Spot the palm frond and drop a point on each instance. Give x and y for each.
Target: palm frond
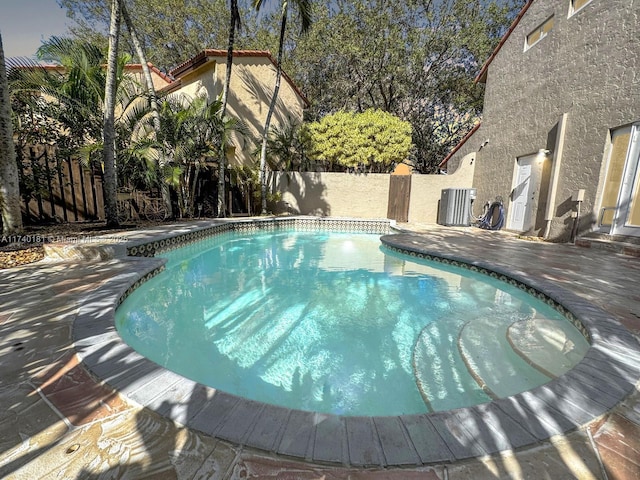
(89, 152)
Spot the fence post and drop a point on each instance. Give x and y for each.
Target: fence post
(72, 183)
(47, 170)
(61, 187)
(35, 167)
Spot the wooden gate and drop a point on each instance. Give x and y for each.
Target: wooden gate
(399, 195)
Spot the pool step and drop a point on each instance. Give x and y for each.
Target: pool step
(491, 360)
(547, 345)
(439, 369)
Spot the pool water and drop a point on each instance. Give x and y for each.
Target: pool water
(335, 323)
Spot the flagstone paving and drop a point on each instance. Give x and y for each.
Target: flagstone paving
(57, 420)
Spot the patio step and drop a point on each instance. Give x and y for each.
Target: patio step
(83, 250)
(624, 245)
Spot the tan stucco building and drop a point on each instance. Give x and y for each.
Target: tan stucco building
(160, 79)
(253, 79)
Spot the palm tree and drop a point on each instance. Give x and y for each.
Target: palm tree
(76, 91)
(234, 24)
(287, 147)
(153, 98)
(9, 186)
(192, 131)
(304, 13)
(109, 132)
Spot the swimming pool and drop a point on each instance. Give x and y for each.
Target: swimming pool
(334, 323)
(601, 380)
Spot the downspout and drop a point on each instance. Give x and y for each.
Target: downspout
(555, 174)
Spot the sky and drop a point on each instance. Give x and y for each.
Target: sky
(24, 24)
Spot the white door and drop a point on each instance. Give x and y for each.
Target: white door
(520, 194)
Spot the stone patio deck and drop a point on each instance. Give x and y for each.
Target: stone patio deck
(57, 420)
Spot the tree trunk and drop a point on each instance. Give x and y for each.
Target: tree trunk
(235, 21)
(272, 106)
(9, 179)
(108, 132)
(153, 100)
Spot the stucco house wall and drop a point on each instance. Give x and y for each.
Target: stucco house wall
(557, 101)
(251, 88)
(160, 80)
(471, 143)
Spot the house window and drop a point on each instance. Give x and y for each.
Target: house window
(577, 5)
(539, 33)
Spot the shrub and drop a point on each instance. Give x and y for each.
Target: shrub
(374, 140)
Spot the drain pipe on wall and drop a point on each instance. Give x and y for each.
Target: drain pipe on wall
(555, 174)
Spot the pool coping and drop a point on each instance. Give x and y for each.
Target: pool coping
(605, 376)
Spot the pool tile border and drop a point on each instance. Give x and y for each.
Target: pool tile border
(536, 292)
(606, 375)
(170, 242)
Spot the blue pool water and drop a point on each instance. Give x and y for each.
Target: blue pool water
(334, 323)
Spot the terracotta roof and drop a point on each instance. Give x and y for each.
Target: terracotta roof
(482, 76)
(11, 63)
(459, 145)
(128, 66)
(201, 58)
(153, 68)
(47, 67)
(172, 87)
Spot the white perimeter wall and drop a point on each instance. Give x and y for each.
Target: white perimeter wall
(364, 195)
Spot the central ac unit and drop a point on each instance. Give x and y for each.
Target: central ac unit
(455, 206)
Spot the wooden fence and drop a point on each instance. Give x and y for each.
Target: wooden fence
(58, 189)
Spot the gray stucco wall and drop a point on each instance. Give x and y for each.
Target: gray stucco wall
(472, 145)
(587, 66)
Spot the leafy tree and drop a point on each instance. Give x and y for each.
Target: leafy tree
(415, 59)
(373, 141)
(59, 107)
(170, 31)
(74, 93)
(304, 14)
(72, 96)
(9, 186)
(64, 106)
(30, 126)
